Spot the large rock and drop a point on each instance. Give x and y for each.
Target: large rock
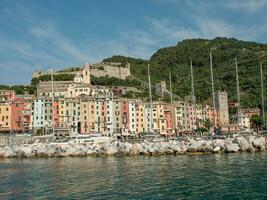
(232, 148)
(41, 151)
(251, 148)
(91, 152)
(78, 150)
(216, 149)
(2, 151)
(127, 147)
(136, 149)
(243, 143)
(24, 152)
(204, 148)
(195, 145)
(219, 142)
(259, 143)
(163, 150)
(8, 152)
(228, 141)
(152, 150)
(175, 148)
(111, 150)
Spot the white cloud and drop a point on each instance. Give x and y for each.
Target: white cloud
(250, 6)
(58, 41)
(47, 45)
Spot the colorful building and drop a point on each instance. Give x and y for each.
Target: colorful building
(5, 117)
(21, 115)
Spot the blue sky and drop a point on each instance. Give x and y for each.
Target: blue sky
(39, 35)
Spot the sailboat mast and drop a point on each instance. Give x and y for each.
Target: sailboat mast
(238, 93)
(52, 82)
(150, 98)
(172, 106)
(193, 95)
(213, 94)
(262, 97)
(170, 78)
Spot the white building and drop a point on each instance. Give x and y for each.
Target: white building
(109, 104)
(38, 113)
(244, 121)
(132, 120)
(149, 117)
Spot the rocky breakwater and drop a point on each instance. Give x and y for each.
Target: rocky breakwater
(189, 146)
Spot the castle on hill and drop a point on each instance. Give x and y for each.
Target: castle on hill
(103, 69)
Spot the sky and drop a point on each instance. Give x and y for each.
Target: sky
(40, 35)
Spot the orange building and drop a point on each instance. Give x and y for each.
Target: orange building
(20, 115)
(5, 117)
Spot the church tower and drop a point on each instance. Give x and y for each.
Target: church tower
(86, 74)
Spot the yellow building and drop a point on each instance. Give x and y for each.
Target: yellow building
(159, 122)
(62, 112)
(5, 117)
(72, 114)
(140, 118)
(87, 117)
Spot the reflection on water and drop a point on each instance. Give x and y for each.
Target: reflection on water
(227, 176)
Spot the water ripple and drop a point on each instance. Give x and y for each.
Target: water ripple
(226, 176)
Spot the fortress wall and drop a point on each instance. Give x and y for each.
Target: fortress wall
(100, 70)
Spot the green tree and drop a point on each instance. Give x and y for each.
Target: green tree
(256, 122)
(207, 124)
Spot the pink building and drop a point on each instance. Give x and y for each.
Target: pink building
(20, 115)
(124, 112)
(169, 119)
(56, 113)
(217, 119)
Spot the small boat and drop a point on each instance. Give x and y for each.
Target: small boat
(151, 137)
(96, 138)
(246, 131)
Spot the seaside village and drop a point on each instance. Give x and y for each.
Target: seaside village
(65, 107)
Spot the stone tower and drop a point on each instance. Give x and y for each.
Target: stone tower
(86, 74)
(222, 106)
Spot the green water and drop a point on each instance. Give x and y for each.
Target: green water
(227, 176)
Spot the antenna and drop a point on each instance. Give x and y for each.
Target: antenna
(150, 97)
(170, 78)
(213, 95)
(238, 93)
(262, 97)
(172, 107)
(52, 82)
(193, 94)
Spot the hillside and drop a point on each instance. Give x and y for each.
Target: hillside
(177, 59)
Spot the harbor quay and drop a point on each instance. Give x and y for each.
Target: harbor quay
(40, 149)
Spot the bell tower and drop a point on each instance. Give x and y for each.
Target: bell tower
(86, 74)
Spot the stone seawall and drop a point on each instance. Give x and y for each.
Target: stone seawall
(190, 146)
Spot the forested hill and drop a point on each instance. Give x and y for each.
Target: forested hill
(224, 50)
